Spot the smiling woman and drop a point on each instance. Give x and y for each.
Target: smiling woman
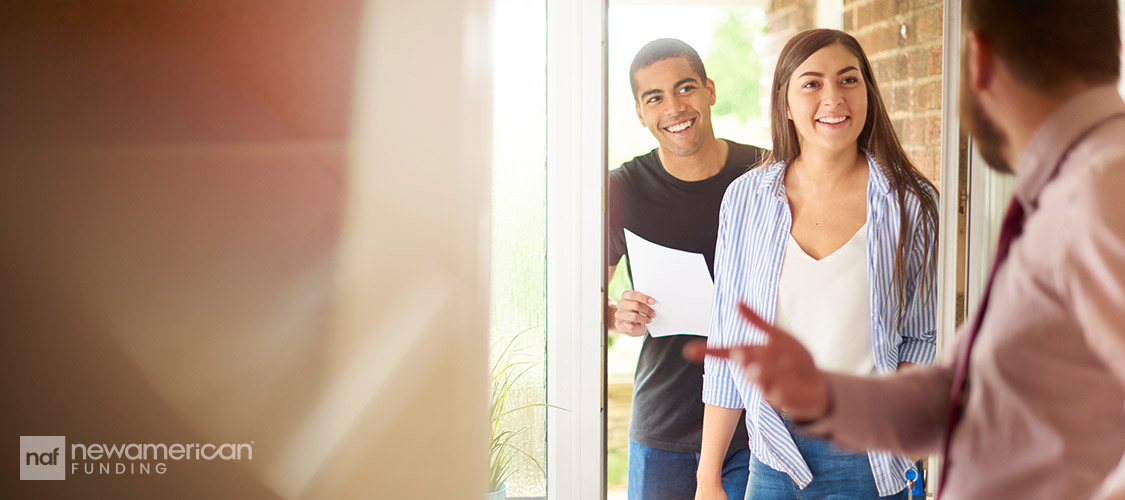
(807, 228)
(827, 100)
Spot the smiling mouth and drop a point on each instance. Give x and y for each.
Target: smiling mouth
(832, 120)
(680, 127)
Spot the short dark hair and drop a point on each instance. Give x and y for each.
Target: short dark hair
(1048, 43)
(661, 49)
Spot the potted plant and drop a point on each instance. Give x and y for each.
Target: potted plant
(511, 364)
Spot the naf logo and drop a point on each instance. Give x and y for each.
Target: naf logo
(42, 458)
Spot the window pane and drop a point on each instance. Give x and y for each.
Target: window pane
(518, 230)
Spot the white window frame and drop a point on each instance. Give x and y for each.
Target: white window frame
(948, 205)
(948, 251)
(576, 171)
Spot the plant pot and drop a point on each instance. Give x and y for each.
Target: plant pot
(499, 494)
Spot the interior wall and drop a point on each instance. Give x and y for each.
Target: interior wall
(252, 222)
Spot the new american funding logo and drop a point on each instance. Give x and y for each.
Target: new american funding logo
(49, 458)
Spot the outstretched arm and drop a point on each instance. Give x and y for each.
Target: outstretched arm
(902, 413)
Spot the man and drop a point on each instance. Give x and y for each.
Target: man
(1029, 402)
(671, 197)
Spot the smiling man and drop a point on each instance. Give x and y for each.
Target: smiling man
(671, 196)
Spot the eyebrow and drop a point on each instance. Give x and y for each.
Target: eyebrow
(678, 84)
(821, 75)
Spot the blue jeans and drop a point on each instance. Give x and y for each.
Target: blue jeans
(837, 475)
(656, 474)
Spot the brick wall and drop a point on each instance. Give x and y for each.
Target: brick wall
(784, 18)
(903, 40)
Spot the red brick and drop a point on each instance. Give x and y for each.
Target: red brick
(929, 25)
(898, 125)
(880, 39)
(929, 96)
(928, 162)
(883, 10)
(933, 131)
(864, 15)
(899, 99)
(915, 132)
(919, 62)
(935, 60)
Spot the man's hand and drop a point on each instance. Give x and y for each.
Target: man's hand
(633, 313)
(781, 367)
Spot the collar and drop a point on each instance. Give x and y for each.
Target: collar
(1057, 135)
(773, 179)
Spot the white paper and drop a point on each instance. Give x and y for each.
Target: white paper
(678, 281)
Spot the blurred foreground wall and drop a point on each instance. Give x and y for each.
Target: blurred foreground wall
(246, 223)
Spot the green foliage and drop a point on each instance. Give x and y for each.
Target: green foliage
(734, 65)
(509, 367)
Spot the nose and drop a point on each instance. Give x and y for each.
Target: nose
(673, 105)
(832, 95)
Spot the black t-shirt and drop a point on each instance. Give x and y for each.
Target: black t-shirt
(650, 202)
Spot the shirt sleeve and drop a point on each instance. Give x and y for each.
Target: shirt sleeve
(919, 325)
(905, 413)
(615, 233)
(719, 388)
(1093, 271)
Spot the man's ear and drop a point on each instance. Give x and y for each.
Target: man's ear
(640, 116)
(980, 60)
(710, 84)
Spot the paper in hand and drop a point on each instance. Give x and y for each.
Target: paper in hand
(680, 283)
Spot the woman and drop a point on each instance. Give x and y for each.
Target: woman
(833, 241)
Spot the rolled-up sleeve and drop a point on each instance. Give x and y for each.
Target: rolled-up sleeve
(919, 325)
(719, 387)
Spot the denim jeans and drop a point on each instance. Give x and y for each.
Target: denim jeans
(837, 475)
(656, 474)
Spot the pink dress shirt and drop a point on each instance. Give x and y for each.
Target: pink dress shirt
(1045, 411)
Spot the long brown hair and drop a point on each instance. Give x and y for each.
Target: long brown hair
(877, 138)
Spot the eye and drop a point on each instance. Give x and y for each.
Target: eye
(850, 80)
(811, 84)
(686, 89)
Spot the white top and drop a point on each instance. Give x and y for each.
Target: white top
(824, 304)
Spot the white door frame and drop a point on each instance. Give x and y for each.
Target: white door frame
(576, 171)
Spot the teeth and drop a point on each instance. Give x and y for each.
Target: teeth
(833, 120)
(680, 126)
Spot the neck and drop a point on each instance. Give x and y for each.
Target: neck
(703, 164)
(825, 171)
(1022, 111)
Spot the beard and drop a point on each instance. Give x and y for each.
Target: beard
(989, 140)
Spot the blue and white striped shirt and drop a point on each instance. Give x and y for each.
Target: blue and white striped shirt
(754, 222)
